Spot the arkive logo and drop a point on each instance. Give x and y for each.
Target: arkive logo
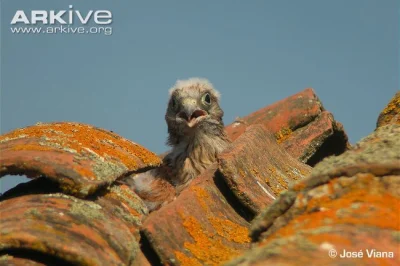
(71, 16)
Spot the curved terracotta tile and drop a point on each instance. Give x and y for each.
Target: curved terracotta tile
(301, 125)
(80, 157)
(377, 154)
(199, 228)
(125, 205)
(257, 169)
(321, 138)
(348, 203)
(77, 231)
(290, 113)
(391, 113)
(8, 260)
(141, 260)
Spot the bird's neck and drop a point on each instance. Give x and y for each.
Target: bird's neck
(194, 154)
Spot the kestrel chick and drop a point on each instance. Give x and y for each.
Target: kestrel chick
(196, 134)
(195, 127)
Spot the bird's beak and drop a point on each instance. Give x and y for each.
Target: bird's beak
(191, 112)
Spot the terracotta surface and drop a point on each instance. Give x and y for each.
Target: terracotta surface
(121, 202)
(199, 227)
(80, 158)
(391, 113)
(301, 124)
(350, 202)
(7, 260)
(75, 230)
(321, 137)
(78, 212)
(257, 169)
(283, 116)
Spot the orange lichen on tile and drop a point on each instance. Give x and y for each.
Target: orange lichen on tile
(255, 172)
(274, 175)
(314, 203)
(369, 212)
(299, 186)
(283, 135)
(229, 230)
(84, 138)
(276, 189)
(185, 260)
(272, 170)
(393, 105)
(202, 196)
(123, 198)
(126, 193)
(145, 155)
(242, 173)
(84, 172)
(294, 176)
(331, 238)
(224, 227)
(31, 147)
(392, 109)
(206, 247)
(281, 181)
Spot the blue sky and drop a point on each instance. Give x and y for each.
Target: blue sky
(254, 52)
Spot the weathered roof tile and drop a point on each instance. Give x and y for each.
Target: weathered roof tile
(74, 230)
(321, 138)
(348, 202)
(290, 113)
(199, 228)
(301, 125)
(121, 202)
(257, 169)
(79, 157)
(391, 113)
(8, 260)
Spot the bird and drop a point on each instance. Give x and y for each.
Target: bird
(196, 134)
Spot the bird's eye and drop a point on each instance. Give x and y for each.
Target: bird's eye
(206, 99)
